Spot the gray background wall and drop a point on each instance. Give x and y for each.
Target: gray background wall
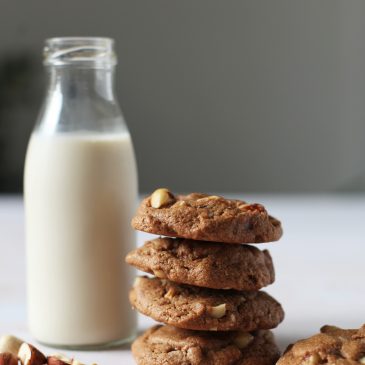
(250, 95)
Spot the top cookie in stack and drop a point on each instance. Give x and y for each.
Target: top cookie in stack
(206, 281)
(207, 218)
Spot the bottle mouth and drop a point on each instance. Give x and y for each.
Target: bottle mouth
(81, 51)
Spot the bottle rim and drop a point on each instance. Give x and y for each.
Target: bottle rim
(79, 51)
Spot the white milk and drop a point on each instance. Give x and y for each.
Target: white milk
(80, 195)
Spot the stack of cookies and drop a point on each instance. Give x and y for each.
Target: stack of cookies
(207, 281)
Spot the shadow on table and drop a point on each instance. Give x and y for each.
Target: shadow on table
(284, 341)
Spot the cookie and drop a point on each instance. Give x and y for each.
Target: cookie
(195, 308)
(167, 345)
(206, 217)
(206, 264)
(332, 346)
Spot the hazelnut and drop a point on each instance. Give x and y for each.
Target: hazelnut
(243, 339)
(7, 358)
(161, 197)
(58, 359)
(10, 344)
(217, 311)
(29, 355)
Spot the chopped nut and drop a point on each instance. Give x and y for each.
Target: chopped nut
(180, 203)
(243, 339)
(76, 362)
(29, 355)
(160, 274)
(161, 197)
(313, 360)
(10, 344)
(171, 293)
(243, 206)
(7, 358)
(58, 359)
(218, 311)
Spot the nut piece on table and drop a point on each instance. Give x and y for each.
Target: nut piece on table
(10, 344)
(218, 311)
(29, 355)
(161, 197)
(77, 362)
(243, 339)
(7, 358)
(58, 359)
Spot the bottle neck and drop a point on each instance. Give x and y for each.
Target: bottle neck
(80, 99)
(82, 84)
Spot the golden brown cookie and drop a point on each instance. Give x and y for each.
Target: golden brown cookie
(332, 346)
(167, 345)
(206, 264)
(206, 217)
(195, 308)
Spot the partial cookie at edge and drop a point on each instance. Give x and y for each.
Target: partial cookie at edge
(333, 346)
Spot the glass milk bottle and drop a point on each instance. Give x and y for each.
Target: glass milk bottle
(80, 188)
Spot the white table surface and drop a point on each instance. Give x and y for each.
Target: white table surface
(320, 268)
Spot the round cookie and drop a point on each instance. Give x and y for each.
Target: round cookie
(195, 308)
(206, 217)
(332, 346)
(206, 264)
(167, 345)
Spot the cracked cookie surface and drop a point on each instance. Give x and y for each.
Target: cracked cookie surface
(167, 345)
(208, 218)
(206, 264)
(333, 345)
(195, 308)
